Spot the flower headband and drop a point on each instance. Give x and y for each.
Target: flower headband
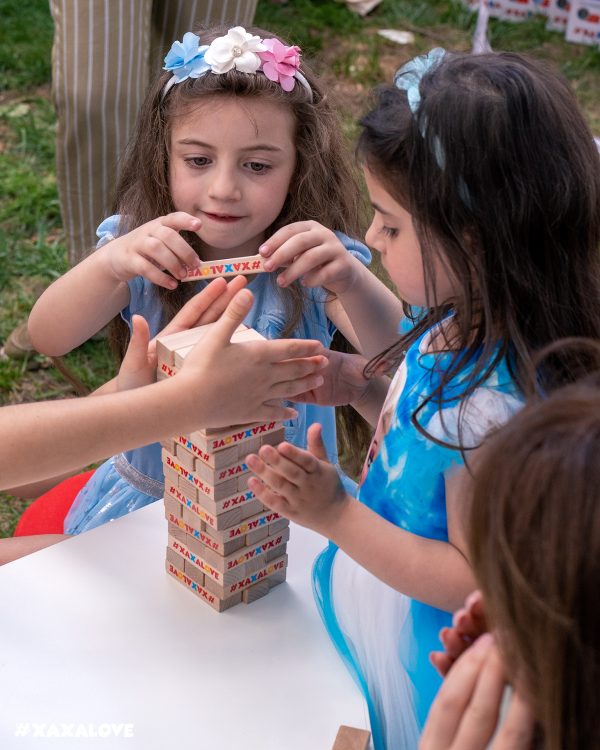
(237, 50)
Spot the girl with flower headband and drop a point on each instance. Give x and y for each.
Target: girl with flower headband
(233, 142)
(485, 182)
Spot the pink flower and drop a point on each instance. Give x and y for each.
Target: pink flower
(280, 63)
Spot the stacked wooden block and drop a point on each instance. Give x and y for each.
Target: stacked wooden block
(223, 543)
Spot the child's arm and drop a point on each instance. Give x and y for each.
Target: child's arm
(87, 297)
(205, 392)
(314, 253)
(305, 487)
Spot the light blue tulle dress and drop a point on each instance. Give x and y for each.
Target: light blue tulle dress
(384, 636)
(134, 479)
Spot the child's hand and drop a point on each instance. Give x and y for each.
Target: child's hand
(298, 484)
(465, 712)
(468, 624)
(153, 248)
(310, 250)
(246, 382)
(140, 362)
(344, 382)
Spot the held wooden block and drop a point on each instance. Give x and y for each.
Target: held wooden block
(220, 605)
(349, 738)
(228, 267)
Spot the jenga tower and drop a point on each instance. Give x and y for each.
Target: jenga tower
(223, 543)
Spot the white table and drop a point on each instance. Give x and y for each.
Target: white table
(96, 638)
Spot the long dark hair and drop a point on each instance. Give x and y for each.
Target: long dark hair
(534, 541)
(323, 186)
(502, 177)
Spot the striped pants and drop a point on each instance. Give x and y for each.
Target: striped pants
(104, 53)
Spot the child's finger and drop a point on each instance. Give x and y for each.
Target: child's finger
(288, 469)
(136, 356)
(271, 499)
(481, 717)
(310, 260)
(177, 246)
(181, 221)
(305, 460)
(281, 236)
(314, 441)
(453, 698)
(224, 328)
(516, 732)
(147, 269)
(191, 312)
(270, 476)
(441, 661)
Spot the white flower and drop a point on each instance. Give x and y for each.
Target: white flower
(237, 49)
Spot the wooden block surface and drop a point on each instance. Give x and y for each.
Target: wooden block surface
(349, 738)
(211, 269)
(220, 605)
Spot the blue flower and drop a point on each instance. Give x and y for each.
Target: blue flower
(186, 59)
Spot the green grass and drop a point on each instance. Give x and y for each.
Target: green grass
(345, 49)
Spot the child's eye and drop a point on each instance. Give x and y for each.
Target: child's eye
(389, 232)
(197, 161)
(258, 167)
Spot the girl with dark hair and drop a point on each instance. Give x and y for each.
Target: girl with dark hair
(234, 141)
(485, 182)
(534, 542)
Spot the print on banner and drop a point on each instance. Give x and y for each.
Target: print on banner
(583, 25)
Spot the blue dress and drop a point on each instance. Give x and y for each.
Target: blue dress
(135, 478)
(384, 636)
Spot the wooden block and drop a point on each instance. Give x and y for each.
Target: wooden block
(184, 457)
(228, 488)
(215, 460)
(216, 476)
(238, 531)
(277, 525)
(273, 438)
(220, 605)
(205, 540)
(270, 569)
(232, 436)
(172, 506)
(228, 267)
(191, 570)
(173, 557)
(168, 444)
(229, 568)
(166, 346)
(349, 738)
(164, 371)
(277, 578)
(176, 529)
(252, 593)
(257, 535)
(217, 522)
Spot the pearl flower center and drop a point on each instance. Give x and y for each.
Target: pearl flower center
(236, 51)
